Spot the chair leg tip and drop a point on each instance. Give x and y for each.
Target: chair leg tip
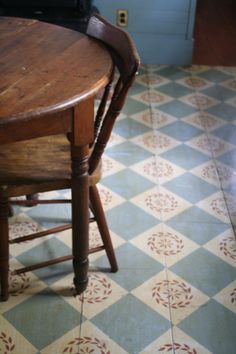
(80, 285)
(114, 269)
(4, 297)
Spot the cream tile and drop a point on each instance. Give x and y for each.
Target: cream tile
(184, 344)
(183, 298)
(164, 244)
(11, 341)
(229, 84)
(216, 206)
(224, 247)
(161, 203)
(155, 142)
(151, 80)
(195, 69)
(21, 287)
(175, 341)
(168, 292)
(115, 139)
(199, 100)
(110, 166)
(101, 293)
(195, 82)
(157, 169)
(152, 97)
(88, 339)
(204, 120)
(227, 175)
(109, 198)
(210, 145)
(154, 118)
(163, 344)
(143, 117)
(22, 225)
(146, 293)
(208, 172)
(227, 297)
(232, 101)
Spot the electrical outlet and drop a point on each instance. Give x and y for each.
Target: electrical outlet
(122, 18)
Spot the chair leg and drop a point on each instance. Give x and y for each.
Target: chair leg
(102, 226)
(4, 248)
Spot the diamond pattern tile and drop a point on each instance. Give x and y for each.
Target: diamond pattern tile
(181, 131)
(177, 109)
(209, 279)
(169, 195)
(203, 325)
(142, 327)
(33, 312)
(190, 187)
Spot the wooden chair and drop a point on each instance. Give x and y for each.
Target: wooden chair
(25, 166)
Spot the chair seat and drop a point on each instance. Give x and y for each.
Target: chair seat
(45, 159)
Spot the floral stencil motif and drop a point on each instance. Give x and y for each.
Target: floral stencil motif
(218, 205)
(172, 293)
(164, 169)
(228, 247)
(161, 202)
(225, 174)
(106, 196)
(6, 344)
(20, 228)
(198, 100)
(182, 348)
(150, 169)
(232, 84)
(209, 172)
(151, 80)
(107, 165)
(152, 97)
(18, 284)
(154, 141)
(99, 289)
(210, 144)
(194, 82)
(233, 296)
(204, 120)
(160, 169)
(194, 68)
(165, 243)
(145, 117)
(94, 236)
(159, 118)
(86, 345)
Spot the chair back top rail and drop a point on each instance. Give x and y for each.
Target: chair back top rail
(127, 61)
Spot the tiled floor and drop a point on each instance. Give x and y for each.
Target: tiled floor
(169, 192)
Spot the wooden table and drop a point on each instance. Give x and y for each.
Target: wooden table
(49, 76)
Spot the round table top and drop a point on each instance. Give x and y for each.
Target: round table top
(46, 68)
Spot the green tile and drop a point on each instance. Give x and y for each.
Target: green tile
(128, 128)
(131, 324)
(213, 326)
(135, 266)
(128, 153)
(127, 220)
(44, 318)
(127, 183)
(205, 271)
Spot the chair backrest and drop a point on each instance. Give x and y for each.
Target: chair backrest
(126, 61)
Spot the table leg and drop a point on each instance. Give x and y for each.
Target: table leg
(80, 216)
